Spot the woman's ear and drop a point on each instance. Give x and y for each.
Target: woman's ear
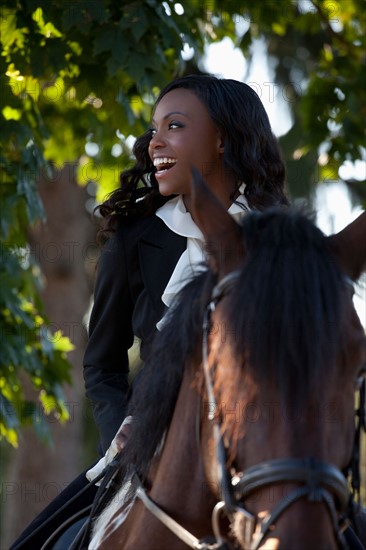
(223, 239)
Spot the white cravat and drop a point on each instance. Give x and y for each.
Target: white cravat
(175, 216)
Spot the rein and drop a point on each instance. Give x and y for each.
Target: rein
(180, 532)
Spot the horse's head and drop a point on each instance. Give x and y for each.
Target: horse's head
(285, 349)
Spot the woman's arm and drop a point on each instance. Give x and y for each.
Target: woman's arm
(110, 336)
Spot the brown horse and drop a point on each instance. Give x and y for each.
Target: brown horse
(244, 418)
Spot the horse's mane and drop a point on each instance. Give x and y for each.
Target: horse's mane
(284, 309)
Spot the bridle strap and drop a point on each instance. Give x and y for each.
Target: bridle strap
(270, 520)
(223, 287)
(320, 482)
(309, 471)
(179, 531)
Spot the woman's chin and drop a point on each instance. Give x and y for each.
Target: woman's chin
(167, 188)
(170, 184)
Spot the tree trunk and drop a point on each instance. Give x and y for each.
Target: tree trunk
(66, 251)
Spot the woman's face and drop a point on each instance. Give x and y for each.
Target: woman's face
(183, 136)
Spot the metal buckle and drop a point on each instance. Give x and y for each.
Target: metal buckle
(247, 522)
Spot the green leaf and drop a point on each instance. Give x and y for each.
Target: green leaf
(26, 187)
(114, 41)
(8, 415)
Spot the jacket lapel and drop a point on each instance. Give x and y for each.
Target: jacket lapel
(159, 252)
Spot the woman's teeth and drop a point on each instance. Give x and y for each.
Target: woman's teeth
(164, 163)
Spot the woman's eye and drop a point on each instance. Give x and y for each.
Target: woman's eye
(173, 125)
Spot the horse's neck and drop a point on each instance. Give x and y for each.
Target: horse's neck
(177, 483)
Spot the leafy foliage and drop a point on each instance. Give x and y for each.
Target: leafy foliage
(78, 78)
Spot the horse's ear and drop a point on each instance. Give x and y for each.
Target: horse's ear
(349, 247)
(224, 244)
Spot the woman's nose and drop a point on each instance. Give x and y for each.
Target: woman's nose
(156, 141)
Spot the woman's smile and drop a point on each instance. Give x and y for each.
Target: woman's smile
(162, 165)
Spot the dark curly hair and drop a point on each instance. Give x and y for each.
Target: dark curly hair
(251, 152)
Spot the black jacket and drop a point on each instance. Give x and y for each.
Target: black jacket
(134, 268)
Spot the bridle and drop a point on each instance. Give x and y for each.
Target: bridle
(318, 481)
